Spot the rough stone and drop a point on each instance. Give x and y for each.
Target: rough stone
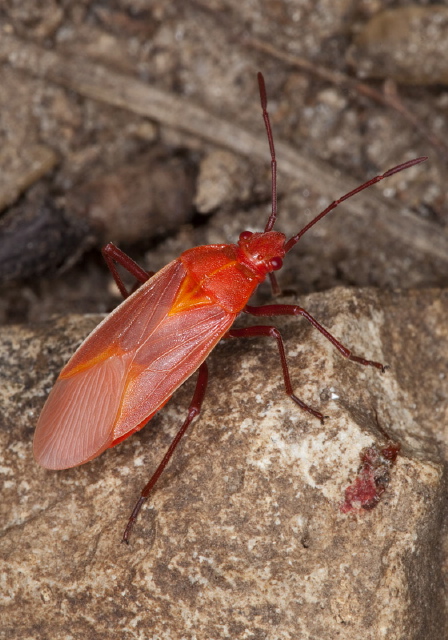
(244, 536)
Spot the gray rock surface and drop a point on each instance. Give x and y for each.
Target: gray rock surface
(244, 536)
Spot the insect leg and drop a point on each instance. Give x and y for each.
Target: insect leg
(113, 254)
(273, 332)
(275, 288)
(294, 310)
(193, 411)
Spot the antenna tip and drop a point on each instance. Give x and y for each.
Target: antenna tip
(404, 165)
(262, 88)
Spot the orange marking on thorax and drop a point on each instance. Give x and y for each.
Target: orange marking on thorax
(190, 295)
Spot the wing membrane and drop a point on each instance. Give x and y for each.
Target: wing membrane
(75, 423)
(125, 371)
(172, 353)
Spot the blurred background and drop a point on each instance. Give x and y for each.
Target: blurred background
(139, 122)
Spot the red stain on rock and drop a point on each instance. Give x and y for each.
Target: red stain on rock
(372, 478)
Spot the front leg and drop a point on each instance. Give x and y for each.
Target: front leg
(294, 310)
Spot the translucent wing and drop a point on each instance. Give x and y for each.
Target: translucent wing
(125, 371)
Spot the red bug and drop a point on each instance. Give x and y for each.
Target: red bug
(131, 364)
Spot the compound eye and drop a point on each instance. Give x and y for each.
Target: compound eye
(245, 235)
(276, 264)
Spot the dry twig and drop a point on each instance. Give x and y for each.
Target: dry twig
(100, 83)
(389, 97)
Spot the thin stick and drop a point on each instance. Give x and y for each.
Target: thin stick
(100, 83)
(388, 98)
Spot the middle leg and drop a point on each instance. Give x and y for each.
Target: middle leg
(273, 332)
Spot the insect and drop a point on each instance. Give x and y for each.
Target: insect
(131, 364)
